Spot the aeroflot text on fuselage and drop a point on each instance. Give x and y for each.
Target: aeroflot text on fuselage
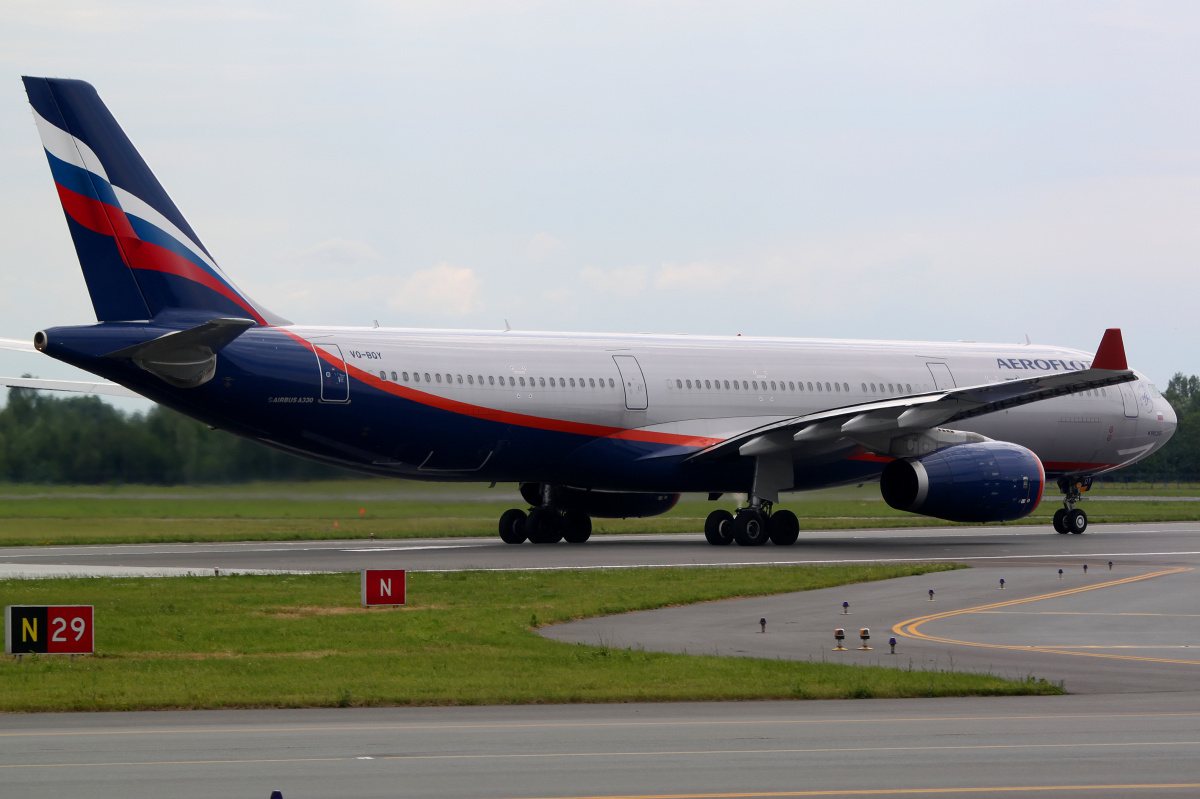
(1043, 364)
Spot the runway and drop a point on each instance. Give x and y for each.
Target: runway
(1125, 746)
(1122, 641)
(973, 545)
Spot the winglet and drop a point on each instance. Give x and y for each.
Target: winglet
(1111, 354)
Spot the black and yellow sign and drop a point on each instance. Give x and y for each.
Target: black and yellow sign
(48, 629)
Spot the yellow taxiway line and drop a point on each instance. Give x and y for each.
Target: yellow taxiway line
(910, 628)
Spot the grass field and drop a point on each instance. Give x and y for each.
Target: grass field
(395, 509)
(465, 638)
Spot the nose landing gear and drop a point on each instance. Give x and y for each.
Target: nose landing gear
(1068, 518)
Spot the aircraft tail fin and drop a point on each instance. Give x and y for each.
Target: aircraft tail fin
(138, 254)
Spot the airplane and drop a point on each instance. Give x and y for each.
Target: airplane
(589, 425)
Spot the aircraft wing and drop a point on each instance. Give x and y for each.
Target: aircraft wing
(16, 344)
(77, 386)
(875, 424)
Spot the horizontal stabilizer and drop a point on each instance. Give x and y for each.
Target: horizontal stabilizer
(186, 358)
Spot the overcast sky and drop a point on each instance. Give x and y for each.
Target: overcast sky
(941, 171)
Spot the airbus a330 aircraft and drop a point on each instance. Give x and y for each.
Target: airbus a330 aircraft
(589, 425)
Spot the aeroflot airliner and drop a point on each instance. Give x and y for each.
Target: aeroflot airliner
(589, 425)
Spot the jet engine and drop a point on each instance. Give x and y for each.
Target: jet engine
(993, 481)
(602, 504)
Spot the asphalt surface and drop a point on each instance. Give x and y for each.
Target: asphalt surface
(1124, 746)
(1121, 640)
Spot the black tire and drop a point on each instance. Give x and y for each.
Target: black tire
(1075, 521)
(783, 528)
(1060, 526)
(718, 528)
(512, 526)
(544, 526)
(750, 529)
(576, 526)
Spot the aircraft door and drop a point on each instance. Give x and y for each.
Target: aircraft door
(942, 379)
(1129, 400)
(335, 383)
(633, 382)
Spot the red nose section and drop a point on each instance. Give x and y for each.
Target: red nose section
(1111, 354)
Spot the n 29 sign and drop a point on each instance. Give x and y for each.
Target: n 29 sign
(383, 586)
(48, 630)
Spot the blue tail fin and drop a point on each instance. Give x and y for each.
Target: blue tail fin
(139, 255)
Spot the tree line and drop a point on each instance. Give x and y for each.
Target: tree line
(83, 440)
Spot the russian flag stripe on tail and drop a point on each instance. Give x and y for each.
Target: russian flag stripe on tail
(139, 256)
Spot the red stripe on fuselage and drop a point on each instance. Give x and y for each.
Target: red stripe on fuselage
(138, 254)
(506, 417)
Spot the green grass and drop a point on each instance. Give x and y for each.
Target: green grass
(31, 515)
(465, 638)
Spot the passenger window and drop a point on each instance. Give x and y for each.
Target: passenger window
(572, 382)
(891, 390)
(491, 380)
(689, 384)
(611, 383)
(512, 381)
(394, 377)
(837, 386)
(727, 385)
(846, 387)
(480, 379)
(908, 388)
(872, 388)
(459, 378)
(382, 375)
(791, 386)
(864, 386)
(542, 381)
(405, 376)
(772, 385)
(439, 377)
(678, 384)
(708, 384)
(470, 380)
(521, 380)
(592, 382)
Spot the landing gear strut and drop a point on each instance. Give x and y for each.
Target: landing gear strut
(1068, 518)
(754, 525)
(546, 523)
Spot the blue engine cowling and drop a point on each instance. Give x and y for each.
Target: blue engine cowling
(992, 481)
(603, 504)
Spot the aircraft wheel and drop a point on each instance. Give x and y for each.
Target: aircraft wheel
(576, 526)
(1060, 526)
(1075, 521)
(783, 528)
(544, 526)
(750, 529)
(512, 526)
(718, 528)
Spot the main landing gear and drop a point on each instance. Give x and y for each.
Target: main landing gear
(545, 523)
(752, 526)
(1068, 518)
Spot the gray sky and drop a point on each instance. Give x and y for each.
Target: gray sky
(907, 170)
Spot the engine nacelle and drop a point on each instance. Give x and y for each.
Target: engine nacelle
(603, 504)
(993, 481)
